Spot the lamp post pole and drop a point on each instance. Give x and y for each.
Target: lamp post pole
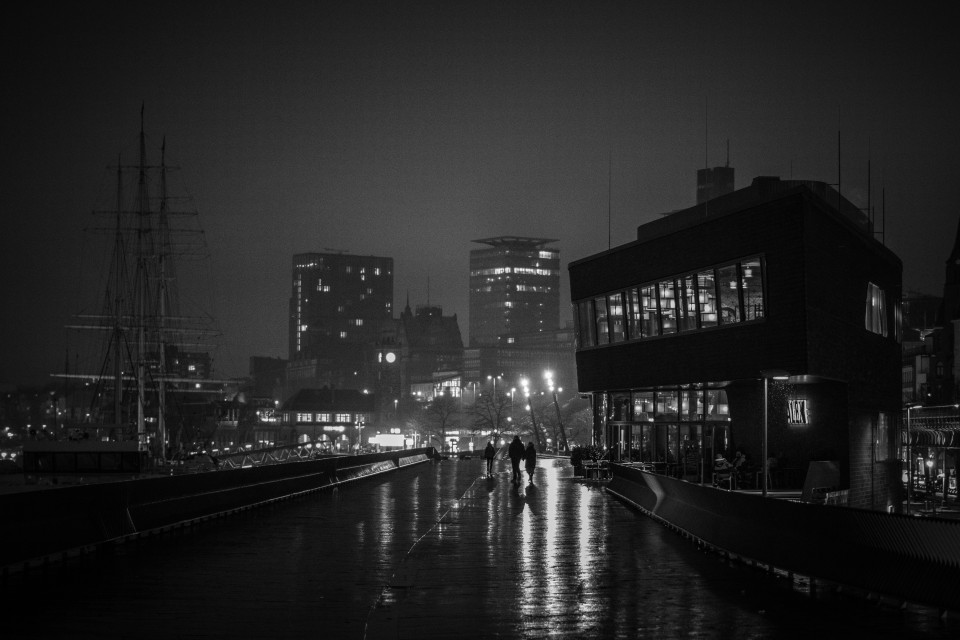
(909, 465)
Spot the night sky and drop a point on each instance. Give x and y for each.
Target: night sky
(408, 129)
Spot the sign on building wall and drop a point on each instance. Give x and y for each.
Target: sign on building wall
(797, 411)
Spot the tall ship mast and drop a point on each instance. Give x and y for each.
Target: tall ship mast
(144, 365)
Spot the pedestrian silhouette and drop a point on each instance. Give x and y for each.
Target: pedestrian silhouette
(516, 455)
(488, 455)
(530, 455)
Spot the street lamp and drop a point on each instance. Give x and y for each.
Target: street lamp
(494, 405)
(562, 442)
(767, 375)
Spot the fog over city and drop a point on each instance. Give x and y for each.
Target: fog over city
(409, 129)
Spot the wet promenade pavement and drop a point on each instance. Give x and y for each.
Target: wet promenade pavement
(434, 551)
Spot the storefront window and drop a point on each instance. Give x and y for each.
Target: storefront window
(667, 406)
(691, 404)
(668, 307)
(752, 289)
(600, 306)
(615, 315)
(643, 406)
(707, 297)
(729, 294)
(716, 405)
(619, 406)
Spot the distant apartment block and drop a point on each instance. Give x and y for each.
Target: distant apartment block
(338, 303)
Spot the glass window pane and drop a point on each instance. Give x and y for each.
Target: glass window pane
(691, 404)
(649, 302)
(633, 314)
(620, 406)
(668, 307)
(600, 308)
(615, 313)
(688, 304)
(729, 294)
(752, 289)
(717, 408)
(587, 335)
(707, 297)
(643, 406)
(667, 406)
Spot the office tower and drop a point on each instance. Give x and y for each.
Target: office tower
(714, 182)
(338, 303)
(514, 288)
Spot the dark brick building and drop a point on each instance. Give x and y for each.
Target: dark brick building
(676, 330)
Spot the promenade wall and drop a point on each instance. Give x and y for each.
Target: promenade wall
(906, 558)
(44, 524)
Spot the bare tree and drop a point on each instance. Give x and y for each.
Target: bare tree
(489, 414)
(438, 416)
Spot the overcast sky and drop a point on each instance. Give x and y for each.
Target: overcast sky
(408, 129)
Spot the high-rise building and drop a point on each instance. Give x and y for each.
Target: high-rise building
(514, 288)
(715, 182)
(338, 303)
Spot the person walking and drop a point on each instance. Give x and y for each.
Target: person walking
(516, 455)
(488, 455)
(530, 455)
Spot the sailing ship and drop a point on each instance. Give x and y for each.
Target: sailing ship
(144, 389)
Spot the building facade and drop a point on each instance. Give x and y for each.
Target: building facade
(683, 333)
(514, 288)
(338, 303)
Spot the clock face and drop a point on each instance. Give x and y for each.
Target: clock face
(390, 357)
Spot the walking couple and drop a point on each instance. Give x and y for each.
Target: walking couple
(517, 453)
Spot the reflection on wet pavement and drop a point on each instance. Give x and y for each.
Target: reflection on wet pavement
(435, 551)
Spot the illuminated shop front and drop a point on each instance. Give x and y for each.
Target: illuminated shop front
(678, 334)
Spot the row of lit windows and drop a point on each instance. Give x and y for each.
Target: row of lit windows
(337, 418)
(527, 271)
(668, 405)
(718, 296)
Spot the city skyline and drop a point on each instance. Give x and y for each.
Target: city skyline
(410, 130)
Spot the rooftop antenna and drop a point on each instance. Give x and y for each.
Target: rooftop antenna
(706, 132)
(609, 204)
(883, 210)
(839, 165)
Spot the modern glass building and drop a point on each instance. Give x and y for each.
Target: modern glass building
(514, 288)
(680, 333)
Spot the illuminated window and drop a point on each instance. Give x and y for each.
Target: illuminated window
(600, 306)
(688, 304)
(707, 298)
(729, 294)
(323, 417)
(875, 318)
(668, 307)
(615, 313)
(343, 417)
(633, 314)
(304, 417)
(752, 289)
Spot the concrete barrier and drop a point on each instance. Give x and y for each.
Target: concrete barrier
(902, 557)
(44, 524)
